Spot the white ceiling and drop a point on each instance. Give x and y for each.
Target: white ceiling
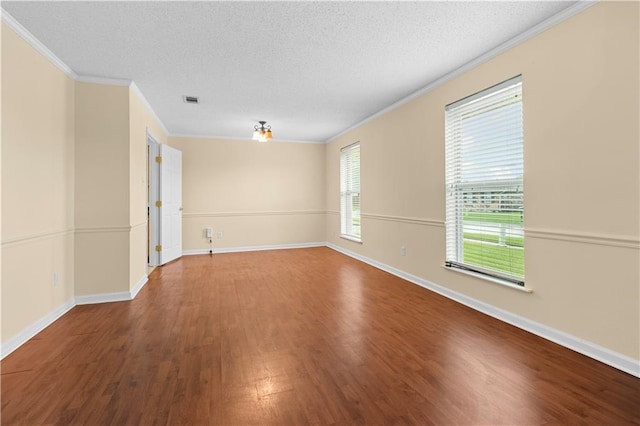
(311, 69)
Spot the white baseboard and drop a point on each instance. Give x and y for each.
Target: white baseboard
(90, 299)
(121, 296)
(136, 288)
(604, 355)
(254, 248)
(21, 338)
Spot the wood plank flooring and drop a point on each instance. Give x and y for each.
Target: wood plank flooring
(296, 337)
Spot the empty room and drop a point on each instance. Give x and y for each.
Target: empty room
(292, 213)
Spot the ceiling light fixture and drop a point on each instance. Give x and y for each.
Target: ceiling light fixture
(262, 133)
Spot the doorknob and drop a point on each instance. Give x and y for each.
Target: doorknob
(180, 209)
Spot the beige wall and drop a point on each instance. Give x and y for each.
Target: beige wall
(102, 189)
(102, 155)
(254, 193)
(580, 91)
(111, 187)
(140, 120)
(37, 185)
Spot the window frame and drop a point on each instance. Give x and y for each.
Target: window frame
(347, 192)
(456, 197)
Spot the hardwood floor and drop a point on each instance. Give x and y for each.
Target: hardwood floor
(295, 337)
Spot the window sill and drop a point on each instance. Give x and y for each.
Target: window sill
(351, 238)
(494, 280)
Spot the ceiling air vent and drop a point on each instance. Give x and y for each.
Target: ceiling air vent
(190, 99)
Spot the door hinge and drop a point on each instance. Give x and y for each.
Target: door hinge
(158, 203)
(158, 248)
(158, 159)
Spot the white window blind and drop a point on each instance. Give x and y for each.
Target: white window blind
(350, 191)
(484, 182)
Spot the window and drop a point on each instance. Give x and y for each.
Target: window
(484, 184)
(350, 191)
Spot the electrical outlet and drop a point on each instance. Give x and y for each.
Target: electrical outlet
(219, 235)
(56, 279)
(403, 251)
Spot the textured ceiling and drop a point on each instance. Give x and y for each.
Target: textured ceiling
(311, 69)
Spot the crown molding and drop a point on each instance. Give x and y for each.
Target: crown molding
(11, 22)
(94, 79)
(248, 138)
(559, 17)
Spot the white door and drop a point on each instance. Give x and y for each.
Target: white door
(171, 208)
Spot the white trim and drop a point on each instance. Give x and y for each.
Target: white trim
(94, 79)
(599, 353)
(490, 279)
(561, 16)
(253, 248)
(103, 229)
(351, 238)
(26, 239)
(136, 288)
(414, 220)
(584, 238)
(233, 138)
(265, 213)
(90, 299)
(152, 136)
(36, 44)
(513, 82)
(138, 226)
(27, 333)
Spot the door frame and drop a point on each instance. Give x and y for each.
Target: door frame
(153, 195)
